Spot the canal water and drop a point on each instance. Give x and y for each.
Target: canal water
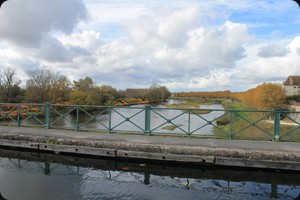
(34, 176)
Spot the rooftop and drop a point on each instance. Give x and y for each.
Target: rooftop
(292, 80)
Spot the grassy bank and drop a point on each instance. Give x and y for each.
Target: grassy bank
(251, 124)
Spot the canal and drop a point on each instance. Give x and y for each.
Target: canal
(35, 176)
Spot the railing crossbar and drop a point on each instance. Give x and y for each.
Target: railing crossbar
(62, 115)
(209, 123)
(170, 121)
(231, 123)
(32, 115)
(251, 124)
(127, 119)
(93, 117)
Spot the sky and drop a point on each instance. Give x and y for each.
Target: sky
(185, 45)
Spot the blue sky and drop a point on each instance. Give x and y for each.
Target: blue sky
(186, 45)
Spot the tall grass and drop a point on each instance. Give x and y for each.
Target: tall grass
(250, 124)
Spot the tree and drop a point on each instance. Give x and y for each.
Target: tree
(136, 93)
(46, 86)
(272, 96)
(78, 97)
(102, 95)
(9, 85)
(81, 89)
(164, 93)
(157, 93)
(267, 96)
(60, 88)
(38, 86)
(108, 93)
(84, 84)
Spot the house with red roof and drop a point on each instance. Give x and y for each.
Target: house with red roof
(292, 85)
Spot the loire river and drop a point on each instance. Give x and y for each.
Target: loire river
(132, 119)
(33, 176)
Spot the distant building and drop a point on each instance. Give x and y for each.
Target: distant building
(292, 85)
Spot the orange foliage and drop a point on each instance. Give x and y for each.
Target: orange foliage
(131, 101)
(218, 94)
(266, 96)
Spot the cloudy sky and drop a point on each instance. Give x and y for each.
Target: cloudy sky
(186, 45)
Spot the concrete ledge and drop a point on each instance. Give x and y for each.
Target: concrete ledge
(265, 164)
(77, 150)
(166, 157)
(183, 157)
(255, 154)
(19, 144)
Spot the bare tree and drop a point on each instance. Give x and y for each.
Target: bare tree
(157, 93)
(46, 86)
(38, 86)
(60, 88)
(8, 81)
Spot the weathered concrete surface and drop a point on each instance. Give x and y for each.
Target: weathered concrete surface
(271, 155)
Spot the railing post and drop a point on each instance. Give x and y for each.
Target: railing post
(276, 124)
(230, 125)
(189, 122)
(47, 115)
(19, 116)
(77, 119)
(109, 119)
(147, 120)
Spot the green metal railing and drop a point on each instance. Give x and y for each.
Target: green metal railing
(275, 125)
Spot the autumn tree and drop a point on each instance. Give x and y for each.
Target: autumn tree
(84, 84)
(85, 92)
(264, 97)
(46, 86)
(9, 85)
(37, 86)
(81, 89)
(78, 97)
(271, 96)
(60, 88)
(136, 93)
(103, 95)
(109, 94)
(157, 93)
(216, 94)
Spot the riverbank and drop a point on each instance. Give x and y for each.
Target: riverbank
(238, 153)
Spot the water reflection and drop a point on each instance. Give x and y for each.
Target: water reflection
(44, 176)
(1, 197)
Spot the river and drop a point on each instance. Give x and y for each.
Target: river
(36, 176)
(132, 119)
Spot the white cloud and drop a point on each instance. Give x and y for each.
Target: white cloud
(151, 58)
(26, 22)
(275, 68)
(218, 47)
(110, 12)
(273, 50)
(172, 27)
(87, 39)
(27, 28)
(184, 44)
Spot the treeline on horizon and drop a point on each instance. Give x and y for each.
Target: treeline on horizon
(266, 96)
(217, 94)
(45, 86)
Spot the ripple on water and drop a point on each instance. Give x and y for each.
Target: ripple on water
(47, 180)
